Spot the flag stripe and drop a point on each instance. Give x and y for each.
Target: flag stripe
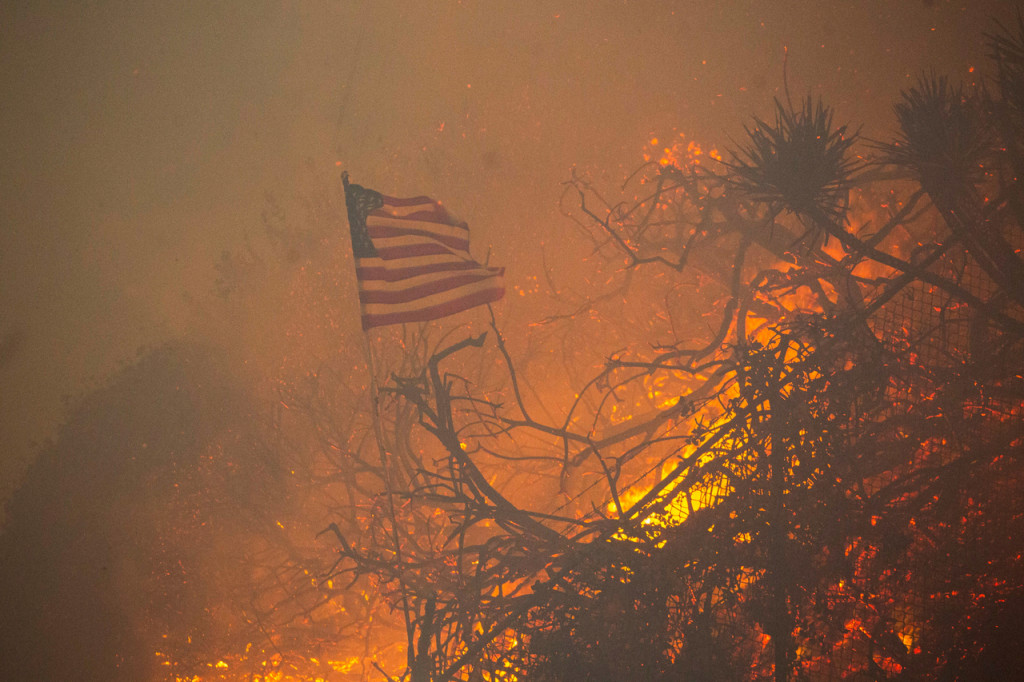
(370, 269)
(408, 201)
(440, 297)
(379, 232)
(406, 292)
(439, 220)
(396, 284)
(399, 207)
(390, 251)
(376, 316)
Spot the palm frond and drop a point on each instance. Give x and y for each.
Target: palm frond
(1006, 49)
(800, 163)
(942, 140)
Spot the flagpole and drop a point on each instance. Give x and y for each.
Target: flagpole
(382, 451)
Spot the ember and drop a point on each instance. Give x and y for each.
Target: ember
(759, 418)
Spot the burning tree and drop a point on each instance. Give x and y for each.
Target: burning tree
(817, 477)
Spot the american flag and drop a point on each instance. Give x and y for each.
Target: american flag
(412, 260)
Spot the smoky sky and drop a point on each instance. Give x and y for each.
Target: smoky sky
(141, 139)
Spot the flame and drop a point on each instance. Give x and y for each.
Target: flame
(659, 391)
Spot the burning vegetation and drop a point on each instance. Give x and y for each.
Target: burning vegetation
(774, 433)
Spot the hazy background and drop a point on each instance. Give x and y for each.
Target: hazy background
(138, 141)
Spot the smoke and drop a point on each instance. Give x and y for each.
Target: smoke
(139, 139)
(143, 141)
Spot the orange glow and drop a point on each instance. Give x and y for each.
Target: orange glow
(681, 153)
(649, 393)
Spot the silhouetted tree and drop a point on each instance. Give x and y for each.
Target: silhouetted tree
(824, 483)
